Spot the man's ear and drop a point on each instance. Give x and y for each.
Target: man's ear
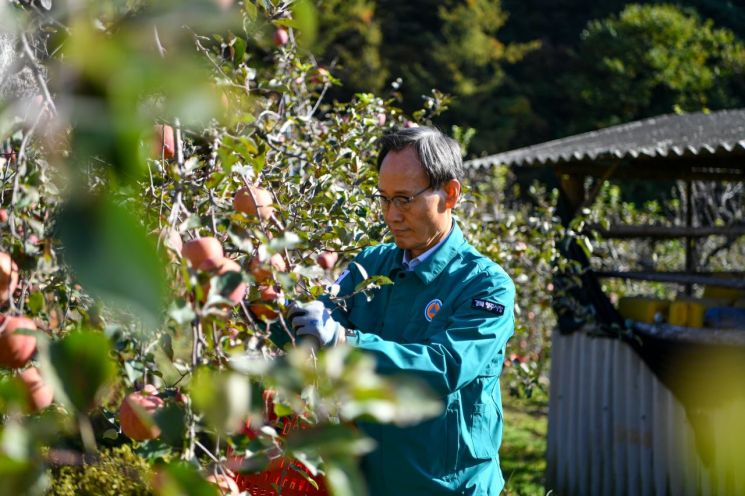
(452, 193)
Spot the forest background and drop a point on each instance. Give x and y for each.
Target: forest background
(525, 72)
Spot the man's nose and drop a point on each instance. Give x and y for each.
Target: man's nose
(393, 214)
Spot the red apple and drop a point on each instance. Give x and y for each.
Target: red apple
(321, 76)
(165, 143)
(514, 357)
(327, 259)
(224, 4)
(264, 311)
(198, 250)
(150, 390)
(135, 415)
(268, 293)
(8, 277)
(3, 215)
(40, 394)
(281, 37)
(262, 271)
(221, 266)
(254, 201)
(16, 349)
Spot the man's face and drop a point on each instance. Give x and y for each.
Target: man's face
(426, 220)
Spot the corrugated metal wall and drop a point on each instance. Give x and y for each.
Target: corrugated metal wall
(614, 429)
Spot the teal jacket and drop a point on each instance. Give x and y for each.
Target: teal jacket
(446, 322)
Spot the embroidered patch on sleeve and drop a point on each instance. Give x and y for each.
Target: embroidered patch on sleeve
(489, 306)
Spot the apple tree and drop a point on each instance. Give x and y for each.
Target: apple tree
(174, 177)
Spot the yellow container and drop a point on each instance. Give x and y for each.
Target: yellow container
(642, 308)
(687, 313)
(723, 293)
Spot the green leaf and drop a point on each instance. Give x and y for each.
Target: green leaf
(240, 50)
(329, 439)
(242, 243)
(166, 345)
(36, 303)
(288, 240)
(225, 283)
(253, 463)
(259, 161)
(181, 312)
(134, 370)
(15, 442)
(401, 400)
(182, 479)
(82, 368)
(192, 222)
(172, 422)
(305, 475)
(112, 256)
(153, 449)
(306, 18)
(586, 246)
(20, 469)
(250, 365)
(345, 478)
(311, 272)
(282, 410)
(373, 282)
(12, 394)
(251, 11)
(223, 397)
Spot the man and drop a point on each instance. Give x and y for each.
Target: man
(446, 319)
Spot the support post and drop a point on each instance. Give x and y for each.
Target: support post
(689, 240)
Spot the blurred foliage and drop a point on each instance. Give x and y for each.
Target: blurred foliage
(116, 471)
(96, 201)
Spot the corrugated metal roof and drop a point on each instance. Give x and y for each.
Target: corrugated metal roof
(670, 136)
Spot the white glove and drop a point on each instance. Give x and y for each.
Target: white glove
(314, 319)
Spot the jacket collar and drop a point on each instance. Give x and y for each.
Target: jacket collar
(428, 270)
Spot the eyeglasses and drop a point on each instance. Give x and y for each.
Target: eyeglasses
(401, 202)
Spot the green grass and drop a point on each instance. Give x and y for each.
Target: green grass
(523, 451)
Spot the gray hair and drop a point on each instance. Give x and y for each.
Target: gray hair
(439, 154)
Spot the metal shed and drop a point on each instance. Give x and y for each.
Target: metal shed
(644, 408)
